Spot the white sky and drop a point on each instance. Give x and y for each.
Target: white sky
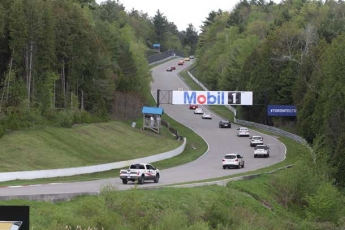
(180, 12)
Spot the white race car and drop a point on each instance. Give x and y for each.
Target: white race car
(261, 150)
(256, 140)
(243, 131)
(233, 159)
(198, 111)
(207, 116)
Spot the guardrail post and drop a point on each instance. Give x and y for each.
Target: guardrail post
(158, 92)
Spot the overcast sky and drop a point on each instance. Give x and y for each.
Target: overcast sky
(180, 12)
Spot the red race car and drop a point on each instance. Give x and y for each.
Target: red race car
(193, 106)
(173, 67)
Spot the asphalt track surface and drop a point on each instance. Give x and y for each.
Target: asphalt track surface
(220, 141)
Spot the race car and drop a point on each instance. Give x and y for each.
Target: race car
(256, 140)
(233, 159)
(198, 111)
(242, 131)
(261, 150)
(206, 116)
(193, 106)
(224, 124)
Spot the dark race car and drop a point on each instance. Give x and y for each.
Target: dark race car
(224, 124)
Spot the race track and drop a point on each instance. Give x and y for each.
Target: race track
(220, 141)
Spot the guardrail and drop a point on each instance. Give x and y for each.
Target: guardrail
(50, 173)
(157, 58)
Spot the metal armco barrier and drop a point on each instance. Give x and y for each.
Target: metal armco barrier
(164, 55)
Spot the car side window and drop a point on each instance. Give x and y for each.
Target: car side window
(149, 167)
(141, 166)
(239, 156)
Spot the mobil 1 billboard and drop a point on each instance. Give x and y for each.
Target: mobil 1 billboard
(281, 111)
(212, 97)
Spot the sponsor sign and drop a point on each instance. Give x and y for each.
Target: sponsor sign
(14, 217)
(281, 111)
(212, 97)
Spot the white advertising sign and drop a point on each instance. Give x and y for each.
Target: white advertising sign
(212, 97)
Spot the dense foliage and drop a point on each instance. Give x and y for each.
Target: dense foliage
(71, 61)
(293, 52)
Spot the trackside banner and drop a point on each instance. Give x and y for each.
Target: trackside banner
(281, 110)
(212, 97)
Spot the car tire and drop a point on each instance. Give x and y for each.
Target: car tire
(238, 166)
(224, 167)
(254, 156)
(124, 181)
(243, 165)
(156, 179)
(141, 179)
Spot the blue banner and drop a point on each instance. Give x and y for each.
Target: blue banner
(281, 111)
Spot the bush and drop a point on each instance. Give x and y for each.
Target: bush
(326, 205)
(65, 119)
(82, 117)
(171, 220)
(293, 184)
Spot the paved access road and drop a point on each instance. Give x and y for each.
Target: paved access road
(220, 141)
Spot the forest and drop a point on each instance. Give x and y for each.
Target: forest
(292, 53)
(74, 61)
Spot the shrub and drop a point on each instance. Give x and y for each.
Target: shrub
(293, 184)
(81, 117)
(171, 220)
(63, 118)
(325, 205)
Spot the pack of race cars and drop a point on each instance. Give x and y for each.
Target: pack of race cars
(235, 159)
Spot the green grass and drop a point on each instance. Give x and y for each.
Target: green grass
(83, 145)
(201, 208)
(189, 81)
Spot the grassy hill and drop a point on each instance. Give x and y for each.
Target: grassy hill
(82, 145)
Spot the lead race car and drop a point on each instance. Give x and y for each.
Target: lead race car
(139, 172)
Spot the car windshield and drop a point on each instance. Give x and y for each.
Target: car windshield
(257, 138)
(260, 147)
(230, 156)
(225, 121)
(243, 129)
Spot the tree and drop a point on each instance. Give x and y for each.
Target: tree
(160, 24)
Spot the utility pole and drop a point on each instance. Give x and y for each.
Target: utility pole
(266, 116)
